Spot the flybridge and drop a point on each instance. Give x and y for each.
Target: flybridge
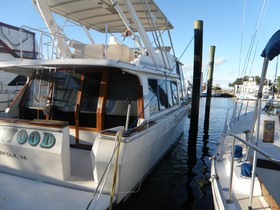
(129, 18)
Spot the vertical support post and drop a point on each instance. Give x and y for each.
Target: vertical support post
(259, 108)
(229, 200)
(246, 106)
(209, 87)
(247, 135)
(240, 109)
(142, 32)
(198, 40)
(198, 28)
(222, 138)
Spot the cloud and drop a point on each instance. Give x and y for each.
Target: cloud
(219, 61)
(187, 68)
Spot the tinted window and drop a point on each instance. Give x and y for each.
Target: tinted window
(66, 89)
(174, 92)
(153, 96)
(39, 90)
(162, 90)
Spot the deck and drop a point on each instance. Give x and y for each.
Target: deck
(240, 186)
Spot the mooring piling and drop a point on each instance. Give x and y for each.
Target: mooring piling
(209, 87)
(198, 43)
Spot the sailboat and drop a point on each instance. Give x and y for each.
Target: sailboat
(93, 119)
(245, 165)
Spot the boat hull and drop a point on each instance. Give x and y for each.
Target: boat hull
(140, 153)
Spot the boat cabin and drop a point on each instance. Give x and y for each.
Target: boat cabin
(92, 99)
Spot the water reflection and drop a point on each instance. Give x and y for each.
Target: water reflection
(205, 170)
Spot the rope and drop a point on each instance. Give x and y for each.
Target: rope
(105, 172)
(113, 190)
(241, 44)
(261, 16)
(253, 61)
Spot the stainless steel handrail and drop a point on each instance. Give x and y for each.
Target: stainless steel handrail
(248, 145)
(256, 149)
(222, 138)
(252, 146)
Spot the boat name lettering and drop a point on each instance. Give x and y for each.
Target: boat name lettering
(34, 138)
(13, 155)
(7, 134)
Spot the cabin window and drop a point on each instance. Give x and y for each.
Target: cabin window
(162, 95)
(174, 92)
(121, 87)
(66, 87)
(163, 98)
(62, 89)
(38, 95)
(153, 96)
(169, 93)
(89, 99)
(39, 90)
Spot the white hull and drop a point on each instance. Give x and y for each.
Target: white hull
(136, 159)
(93, 119)
(141, 153)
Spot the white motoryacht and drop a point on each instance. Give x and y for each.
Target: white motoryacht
(94, 118)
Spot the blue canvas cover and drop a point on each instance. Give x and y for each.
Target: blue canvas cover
(238, 151)
(272, 48)
(246, 170)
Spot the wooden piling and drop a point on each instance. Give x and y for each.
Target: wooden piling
(209, 87)
(198, 43)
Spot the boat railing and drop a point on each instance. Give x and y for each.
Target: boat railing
(45, 41)
(48, 47)
(254, 148)
(249, 146)
(1, 87)
(4, 88)
(235, 116)
(220, 151)
(19, 85)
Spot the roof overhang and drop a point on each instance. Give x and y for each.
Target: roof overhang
(95, 14)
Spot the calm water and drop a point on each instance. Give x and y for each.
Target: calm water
(181, 180)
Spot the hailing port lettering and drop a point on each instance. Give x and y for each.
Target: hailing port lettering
(13, 155)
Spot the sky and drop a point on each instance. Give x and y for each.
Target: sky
(229, 25)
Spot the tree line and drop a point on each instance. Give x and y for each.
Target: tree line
(275, 84)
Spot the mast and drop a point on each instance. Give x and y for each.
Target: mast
(271, 50)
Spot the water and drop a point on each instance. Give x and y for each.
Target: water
(181, 180)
